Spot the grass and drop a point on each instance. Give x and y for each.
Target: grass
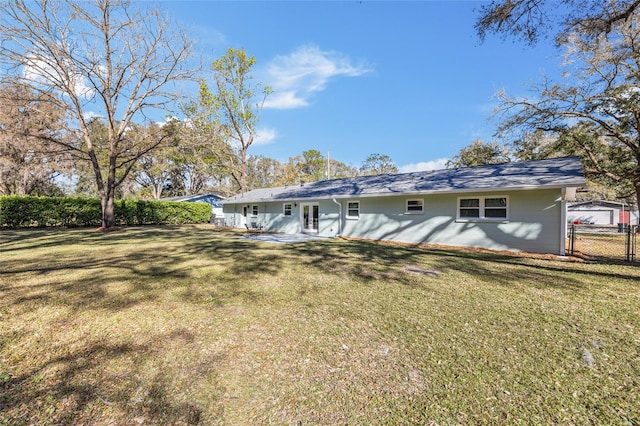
(183, 325)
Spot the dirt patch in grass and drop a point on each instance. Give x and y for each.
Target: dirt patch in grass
(420, 270)
(109, 229)
(476, 250)
(182, 325)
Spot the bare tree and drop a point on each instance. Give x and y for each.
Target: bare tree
(531, 19)
(107, 57)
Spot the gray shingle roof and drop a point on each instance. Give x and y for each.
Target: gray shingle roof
(548, 173)
(196, 197)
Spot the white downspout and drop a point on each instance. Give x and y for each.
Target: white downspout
(567, 194)
(339, 217)
(564, 224)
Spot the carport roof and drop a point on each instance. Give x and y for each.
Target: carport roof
(549, 173)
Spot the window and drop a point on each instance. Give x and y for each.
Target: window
(254, 210)
(483, 208)
(353, 209)
(495, 208)
(469, 207)
(415, 206)
(287, 209)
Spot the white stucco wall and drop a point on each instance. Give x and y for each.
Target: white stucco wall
(534, 223)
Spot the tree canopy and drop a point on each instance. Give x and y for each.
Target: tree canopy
(530, 20)
(376, 164)
(106, 57)
(238, 101)
(479, 153)
(594, 111)
(29, 158)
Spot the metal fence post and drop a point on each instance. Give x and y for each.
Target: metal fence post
(627, 245)
(631, 243)
(630, 246)
(634, 237)
(572, 239)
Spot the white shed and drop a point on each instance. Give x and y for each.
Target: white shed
(601, 212)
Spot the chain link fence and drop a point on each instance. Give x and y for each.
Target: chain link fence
(603, 242)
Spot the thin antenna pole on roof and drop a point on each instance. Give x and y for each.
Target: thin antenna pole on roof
(328, 165)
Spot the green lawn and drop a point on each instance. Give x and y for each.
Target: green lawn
(184, 325)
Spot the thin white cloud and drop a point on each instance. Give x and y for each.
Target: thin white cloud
(425, 166)
(264, 136)
(307, 70)
(39, 71)
(89, 115)
(285, 100)
(168, 119)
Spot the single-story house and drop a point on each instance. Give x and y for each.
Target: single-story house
(518, 206)
(601, 212)
(214, 199)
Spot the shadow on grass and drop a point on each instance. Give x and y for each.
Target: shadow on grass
(25, 239)
(372, 261)
(137, 265)
(75, 388)
(117, 271)
(119, 278)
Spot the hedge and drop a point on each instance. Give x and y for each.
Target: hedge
(20, 212)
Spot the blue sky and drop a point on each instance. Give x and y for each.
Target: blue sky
(407, 79)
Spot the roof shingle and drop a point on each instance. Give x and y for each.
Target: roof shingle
(548, 173)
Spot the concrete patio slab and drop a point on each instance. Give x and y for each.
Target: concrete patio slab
(282, 238)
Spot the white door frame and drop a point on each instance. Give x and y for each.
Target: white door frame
(308, 227)
(244, 214)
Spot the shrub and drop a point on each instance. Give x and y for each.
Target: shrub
(19, 212)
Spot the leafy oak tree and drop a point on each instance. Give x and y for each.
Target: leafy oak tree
(29, 158)
(338, 169)
(313, 166)
(376, 164)
(479, 154)
(107, 56)
(155, 169)
(264, 172)
(204, 152)
(594, 112)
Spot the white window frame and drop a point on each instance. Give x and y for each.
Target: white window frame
(482, 217)
(406, 206)
(254, 210)
(347, 215)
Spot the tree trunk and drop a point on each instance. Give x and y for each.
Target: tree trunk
(108, 212)
(243, 169)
